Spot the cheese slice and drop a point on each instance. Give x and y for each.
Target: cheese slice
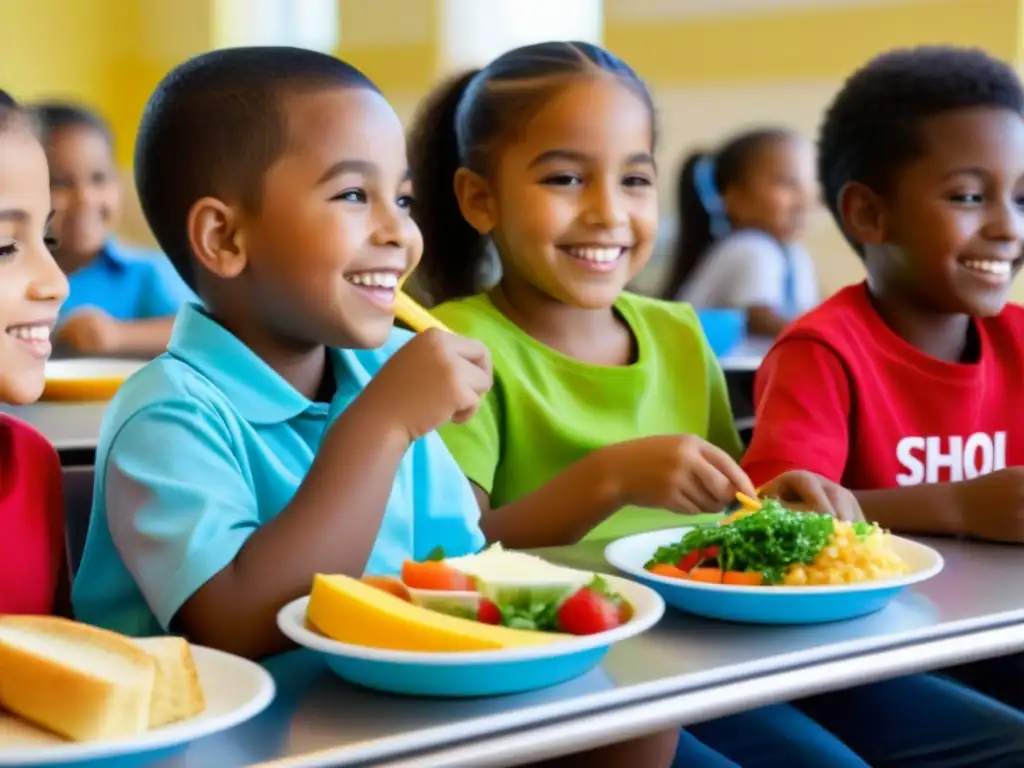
(497, 566)
(349, 611)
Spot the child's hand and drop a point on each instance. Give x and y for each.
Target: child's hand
(992, 506)
(681, 473)
(89, 332)
(806, 490)
(436, 378)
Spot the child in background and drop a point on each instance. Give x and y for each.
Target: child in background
(271, 395)
(33, 566)
(122, 301)
(602, 399)
(907, 387)
(742, 211)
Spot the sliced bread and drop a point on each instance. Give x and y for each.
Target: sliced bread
(78, 681)
(177, 694)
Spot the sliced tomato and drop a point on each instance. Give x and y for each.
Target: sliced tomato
(690, 560)
(488, 612)
(625, 612)
(588, 612)
(435, 575)
(388, 584)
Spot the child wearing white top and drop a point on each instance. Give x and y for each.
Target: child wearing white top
(741, 213)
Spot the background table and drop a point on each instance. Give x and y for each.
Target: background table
(72, 428)
(682, 671)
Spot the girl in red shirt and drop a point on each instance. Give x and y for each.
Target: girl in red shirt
(33, 566)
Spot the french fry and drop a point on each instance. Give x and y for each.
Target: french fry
(415, 316)
(748, 503)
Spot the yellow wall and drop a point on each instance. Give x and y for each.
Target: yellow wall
(107, 53)
(777, 42)
(718, 66)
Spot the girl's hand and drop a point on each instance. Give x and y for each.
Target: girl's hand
(808, 491)
(681, 473)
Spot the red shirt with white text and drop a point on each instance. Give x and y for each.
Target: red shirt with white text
(31, 520)
(842, 395)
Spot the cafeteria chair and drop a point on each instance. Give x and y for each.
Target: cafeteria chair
(78, 482)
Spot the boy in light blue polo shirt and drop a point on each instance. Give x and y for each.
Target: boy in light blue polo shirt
(288, 430)
(123, 300)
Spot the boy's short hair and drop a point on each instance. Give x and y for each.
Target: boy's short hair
(50, 116)
(872, 129)
(214, 126)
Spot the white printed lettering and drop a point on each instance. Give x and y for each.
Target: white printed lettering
(905, 454)
(949, 459)
(936, 459)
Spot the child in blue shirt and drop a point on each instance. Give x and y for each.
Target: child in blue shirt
(288, 430)
(123, 300)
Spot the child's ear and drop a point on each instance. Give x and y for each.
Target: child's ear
(216, 238)
(475, 200)
(863, 214)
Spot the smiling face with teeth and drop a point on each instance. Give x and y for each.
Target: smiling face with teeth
(32, 287)
(571, 202)
(949, 235)
(321, 259)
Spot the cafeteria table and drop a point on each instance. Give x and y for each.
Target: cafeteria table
(740, 364)
(72, 428)
(684, 670)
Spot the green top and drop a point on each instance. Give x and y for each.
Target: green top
(547, 410)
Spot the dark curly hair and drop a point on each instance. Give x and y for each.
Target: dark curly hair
(463, 123)
(873, 128)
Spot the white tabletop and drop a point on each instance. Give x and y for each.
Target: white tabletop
(745, 356)
(683, 670)
(68, 426)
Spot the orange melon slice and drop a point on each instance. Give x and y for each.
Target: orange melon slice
(350, 611)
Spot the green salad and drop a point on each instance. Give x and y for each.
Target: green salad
(768, 541)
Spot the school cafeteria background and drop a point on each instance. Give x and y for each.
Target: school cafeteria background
(715, 65)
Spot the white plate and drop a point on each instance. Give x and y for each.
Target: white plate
(90, 368)
(476, 673)
(770, 605)
(235, 690)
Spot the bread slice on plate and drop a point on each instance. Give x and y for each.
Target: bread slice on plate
(177, 694)
(78, 681)
(16, 733)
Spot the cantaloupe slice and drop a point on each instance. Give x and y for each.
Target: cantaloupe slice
(349, 611)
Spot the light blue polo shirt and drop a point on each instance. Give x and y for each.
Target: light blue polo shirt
(207, 443)
(127, 284)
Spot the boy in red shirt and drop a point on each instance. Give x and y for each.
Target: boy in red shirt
(913, 377)
(907, 387)
(33, 573)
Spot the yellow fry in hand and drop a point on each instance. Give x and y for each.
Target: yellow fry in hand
(415, 316)
(748, 503)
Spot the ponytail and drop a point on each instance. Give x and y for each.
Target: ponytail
(704, 178)
(453, 251)
(695, 226)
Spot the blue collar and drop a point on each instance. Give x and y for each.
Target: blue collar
(112, 256)
(253, 387)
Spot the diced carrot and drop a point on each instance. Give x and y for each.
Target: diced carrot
(669, 571)
(435, 575)
(743, 578)
(707, 575)
(389, 585)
